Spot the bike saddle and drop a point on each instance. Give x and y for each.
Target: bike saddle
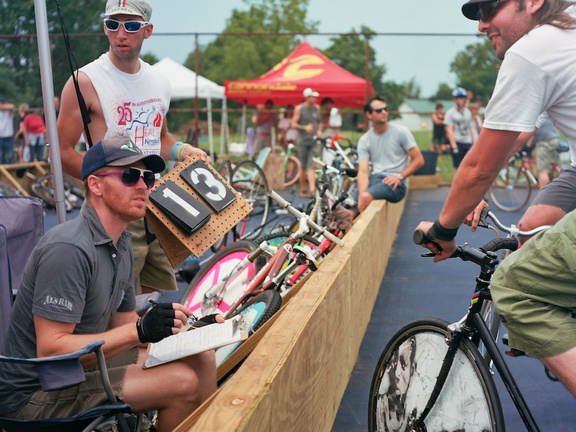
(306, 252)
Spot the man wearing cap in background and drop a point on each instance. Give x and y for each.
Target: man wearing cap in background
(534, 289)
(458, 121)
(306, 120)
(6, 132)
(78, 287)
(125, 96)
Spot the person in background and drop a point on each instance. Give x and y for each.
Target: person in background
(20, 138)
(125, 96)
(546, 141)
(286, 134)
(265, 121)
(440, 143)
(306, 120)
(35, 132)
(458, 122)
(6, 132)
(331, 117)
(78, 287)
(391, 151)
(476, 120)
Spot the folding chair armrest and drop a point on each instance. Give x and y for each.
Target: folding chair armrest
(58, 372)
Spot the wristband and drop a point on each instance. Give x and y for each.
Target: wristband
(438, 232)
(399, 175)
(176, 150)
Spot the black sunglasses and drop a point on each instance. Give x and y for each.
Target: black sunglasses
(130, 176)
(378, 110)
(129, 26)
(487, 11)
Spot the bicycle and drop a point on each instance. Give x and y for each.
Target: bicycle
(236, 273)
(291, 164)
(513, 186)
(431, 375)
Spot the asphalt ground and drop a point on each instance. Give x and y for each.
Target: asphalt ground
(415, 287)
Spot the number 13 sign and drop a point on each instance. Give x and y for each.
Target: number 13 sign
(192, 207)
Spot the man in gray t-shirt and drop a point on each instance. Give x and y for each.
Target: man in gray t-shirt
(393, 153)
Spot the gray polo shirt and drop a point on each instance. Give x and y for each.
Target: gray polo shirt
(75, 275)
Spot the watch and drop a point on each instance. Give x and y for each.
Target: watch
(400, 176)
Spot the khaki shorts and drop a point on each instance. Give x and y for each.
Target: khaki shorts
(73, 400)
(534, 290)
(152, 268)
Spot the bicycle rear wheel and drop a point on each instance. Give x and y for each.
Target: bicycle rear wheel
(406, 374)
(249, 180)
(291, 170)
(511, 189)
(219, 269)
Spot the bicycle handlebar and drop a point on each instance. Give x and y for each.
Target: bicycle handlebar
(467, 252)
(298, 214)
(488, 214)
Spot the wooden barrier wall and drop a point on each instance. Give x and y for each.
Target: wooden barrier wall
(295, 378)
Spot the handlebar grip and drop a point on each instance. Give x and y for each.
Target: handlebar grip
(501, 243)
(419, 237)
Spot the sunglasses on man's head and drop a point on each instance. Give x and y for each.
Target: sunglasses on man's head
(487, 11)
(130, 176)
(378, 110)
(129, 26)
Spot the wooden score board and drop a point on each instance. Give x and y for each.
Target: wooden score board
(175, 241)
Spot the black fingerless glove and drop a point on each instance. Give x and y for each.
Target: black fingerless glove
(157, 323)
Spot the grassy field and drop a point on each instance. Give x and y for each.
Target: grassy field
(423, 139)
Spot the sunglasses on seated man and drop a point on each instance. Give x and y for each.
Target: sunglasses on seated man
(129, 26)
(378, 110)
(130, 176)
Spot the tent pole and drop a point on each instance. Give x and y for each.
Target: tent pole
(49, 108)
(224, 127)
(210, 137)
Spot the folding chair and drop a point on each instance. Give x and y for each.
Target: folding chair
(21, 226)
(63, 371)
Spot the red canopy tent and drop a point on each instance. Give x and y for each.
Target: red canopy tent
(304, 67)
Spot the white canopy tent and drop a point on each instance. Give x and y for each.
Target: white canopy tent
(186, 84)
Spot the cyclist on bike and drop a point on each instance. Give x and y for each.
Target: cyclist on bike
(535, 81)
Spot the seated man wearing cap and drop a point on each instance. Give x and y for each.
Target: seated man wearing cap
(78, 287)
(306, 120)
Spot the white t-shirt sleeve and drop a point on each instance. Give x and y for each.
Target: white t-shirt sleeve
(518, 98)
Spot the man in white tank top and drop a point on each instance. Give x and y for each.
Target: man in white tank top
(125, 96)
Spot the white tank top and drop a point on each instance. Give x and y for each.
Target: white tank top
(133, 104)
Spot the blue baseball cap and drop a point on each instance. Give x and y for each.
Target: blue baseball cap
(459, 92)
(118, 151)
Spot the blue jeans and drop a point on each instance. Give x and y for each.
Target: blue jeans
(382, 191)
(6, 150)
(36, 147)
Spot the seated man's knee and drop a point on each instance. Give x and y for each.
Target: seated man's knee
(364, 200)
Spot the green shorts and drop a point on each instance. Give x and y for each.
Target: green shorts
(534, 290)
(73, 400)
(152, 268)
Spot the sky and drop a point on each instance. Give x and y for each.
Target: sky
(426, 59)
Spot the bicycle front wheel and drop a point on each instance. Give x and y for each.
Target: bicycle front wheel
(406, 374)
(511, 189)
(222, 268)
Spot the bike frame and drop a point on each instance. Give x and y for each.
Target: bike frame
(473, 326)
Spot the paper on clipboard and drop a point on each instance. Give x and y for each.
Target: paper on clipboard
(195, 341)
